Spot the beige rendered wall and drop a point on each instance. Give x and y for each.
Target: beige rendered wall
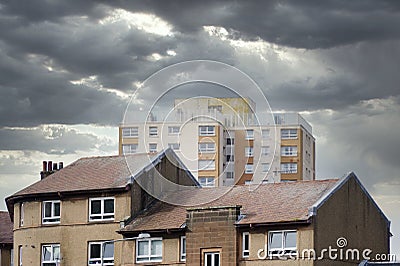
(73, 233)
(350, 214)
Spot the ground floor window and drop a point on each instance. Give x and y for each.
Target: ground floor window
(51, 255)
(212, 259)
(149, 250)
(101, 251)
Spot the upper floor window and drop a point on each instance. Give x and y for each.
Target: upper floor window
(21, 214)
(51, 255)
(230, 175)
(207, 181)
(289, 150)
(250, 134)
(183, 248)
(174, 146)
(129, 148)
(249, 151)
(130, 132)
(207, 147)
(149, 250)
(51, 212)
(230, 158)
(153, 131)
(245, 245)
(101, 209)
(173, 130)
(282, 243)
(289, 133)
(153, 147)
(230, 141)
(206, 164)
(265, 150)
(265, 167)
(265, 133)
(248, 169)
(289, 168)
(99, 251)
(206, 130)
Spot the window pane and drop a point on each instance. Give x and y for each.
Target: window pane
(290, 240)
(156, 247)
(47, 253)
(47, 209)
(208, 259)
(143, 248)
(184, 245)
(95, 251)
(56, 253)
(276, 240)
(109, 206)
(96, 206)
(246, 241)
(57, 209)
(216, 259)
(109, 250)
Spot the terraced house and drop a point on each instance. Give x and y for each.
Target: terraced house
(64, 218)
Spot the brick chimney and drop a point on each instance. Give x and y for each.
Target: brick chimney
(49, 168)
(212, 228)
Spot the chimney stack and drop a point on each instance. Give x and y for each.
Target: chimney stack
(49, 167)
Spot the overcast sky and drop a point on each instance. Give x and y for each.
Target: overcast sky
(68, 68)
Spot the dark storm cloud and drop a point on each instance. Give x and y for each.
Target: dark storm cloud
(301, 24)
(54, 140)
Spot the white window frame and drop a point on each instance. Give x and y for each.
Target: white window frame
(21, 213)
(107, 261)
(245, 252)
(265, 150)
(130, 132)
(207, 182)
(152, 147)
(102, 214)
(206, 130)
(182, 248)
(249, 134)
(153, 131)
(172, 130)
(213, 253)
(53, 260)
(149, 256)
(231, 175)
(249, 169)
(265, 167)
(265, 133)
(209, 165)
(129, 148)
(288, 150)
(53, 219)
(283, 250)
(288, 133)
(20, 255)
(289, 168)
(206, 147)
(249, 151)
(175, 146)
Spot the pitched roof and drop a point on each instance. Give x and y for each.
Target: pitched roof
(6, 228)
(269, 203)
(90, 173)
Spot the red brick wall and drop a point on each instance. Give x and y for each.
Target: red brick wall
(212, 229)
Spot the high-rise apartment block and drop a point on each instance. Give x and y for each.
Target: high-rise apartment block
(222, 141)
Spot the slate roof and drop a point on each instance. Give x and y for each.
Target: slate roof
(90, 173)
(269, 203)
(6, 228)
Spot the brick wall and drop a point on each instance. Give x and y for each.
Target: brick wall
(212, 229)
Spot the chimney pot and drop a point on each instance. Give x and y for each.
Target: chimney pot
(44, 166)
(50, 166)
(60, 165)
(55, 167)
